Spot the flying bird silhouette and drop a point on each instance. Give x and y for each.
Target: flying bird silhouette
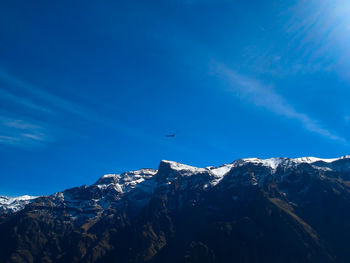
(170, 135)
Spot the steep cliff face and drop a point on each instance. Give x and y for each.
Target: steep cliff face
(252, 210)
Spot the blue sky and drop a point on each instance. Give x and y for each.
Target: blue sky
(92, 87)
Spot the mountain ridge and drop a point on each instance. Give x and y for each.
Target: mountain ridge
(14, 204)
(244, 211)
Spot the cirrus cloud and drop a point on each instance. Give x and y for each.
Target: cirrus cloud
(264, 96)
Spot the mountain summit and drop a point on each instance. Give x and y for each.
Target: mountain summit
(251, 210)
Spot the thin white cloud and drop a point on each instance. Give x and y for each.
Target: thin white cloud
(19, 100)
(18, 132)
(21, 133)
(52, 100)
(264, 96)
(53, 104)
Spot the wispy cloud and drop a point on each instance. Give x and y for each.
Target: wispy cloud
(60, 105)
(50, 101)
(19, 100)
(264, 96)
(21, 133)
(19, 129)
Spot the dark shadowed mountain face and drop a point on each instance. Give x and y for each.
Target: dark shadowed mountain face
(252, 210)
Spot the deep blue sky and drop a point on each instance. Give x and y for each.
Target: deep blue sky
(92, 87)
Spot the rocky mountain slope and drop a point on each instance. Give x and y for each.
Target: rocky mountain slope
(251, 210)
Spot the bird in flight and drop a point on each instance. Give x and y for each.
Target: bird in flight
(170, 135)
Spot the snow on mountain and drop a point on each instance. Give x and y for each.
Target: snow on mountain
(274, 163)
(184, 169)
(221, 170)
(138, 186)
(127, 180)
(219, 173)
(315, 159)
(14, 204)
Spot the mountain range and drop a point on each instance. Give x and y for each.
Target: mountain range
(251, 210)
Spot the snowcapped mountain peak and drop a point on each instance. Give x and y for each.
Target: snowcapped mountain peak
(274, 163)
(271, 162)
(315, 159)
(179, 197)
(184, 169)
(221, 170)
(134, 177)
(14, 204)
(126, 179)
(111, 176)
(140, 184)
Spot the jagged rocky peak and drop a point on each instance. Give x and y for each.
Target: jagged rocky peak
(127, 177)
(113, 187)
(188, 170)
(274, 163)
(170, 168)
(151, 212)
(14, 204)
(183, 169)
